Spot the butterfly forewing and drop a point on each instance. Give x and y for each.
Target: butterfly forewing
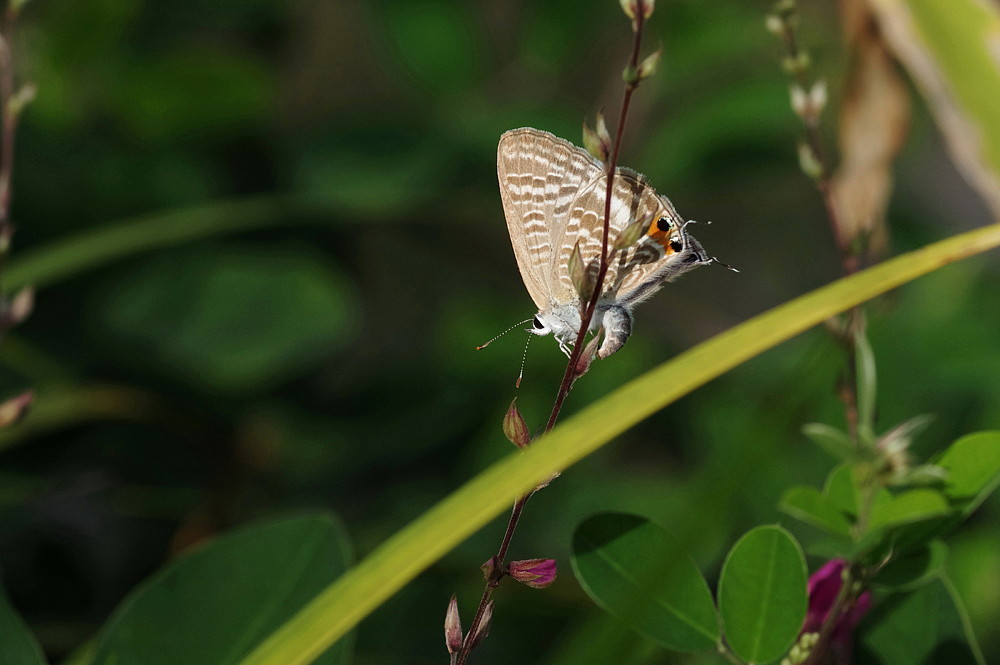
(540, 177)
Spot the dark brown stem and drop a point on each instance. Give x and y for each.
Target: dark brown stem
(571, 367)
(494, 581)
(9, 122)
(849, 259)
(814, 140)
(8, 128)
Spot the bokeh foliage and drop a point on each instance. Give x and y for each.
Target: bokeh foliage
(324, 358)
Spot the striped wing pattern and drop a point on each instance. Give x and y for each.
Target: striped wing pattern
(540, 177)
(553, 196)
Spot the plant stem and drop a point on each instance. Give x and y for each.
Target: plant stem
(848, 258)
(571, 372)
(846, 249)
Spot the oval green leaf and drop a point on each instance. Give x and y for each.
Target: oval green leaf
(762, 594)
(841, 488)
(17, 645)
(231, 317)
(908, 507)
(216, 604)
(638, 573)
(813, 507)
(973, 466)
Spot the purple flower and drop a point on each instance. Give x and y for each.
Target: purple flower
(537, 573)
(824, 586)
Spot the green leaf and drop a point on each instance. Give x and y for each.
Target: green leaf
(908, 507)
(920, 628)
(216, 603)
(342, 605)
(95, 247)
(973, 466)
(231, 317)
(841, 488)
(636, 571)
(19, 646)
(914, 569)
(832, 440)
(762, 594)
(811, 506)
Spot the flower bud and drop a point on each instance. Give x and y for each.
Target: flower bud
(491, 570)
(13, 409)
(631, 233)
(800, 100)
(18, 309)
(483, 631)
(809, 162)
(797, 64)
(514, 427)
(597, 141)
(24, 96)
(537, 573)
(649, 64)
(584, 277)
(452, 627)
(632, 8)
(774, 24)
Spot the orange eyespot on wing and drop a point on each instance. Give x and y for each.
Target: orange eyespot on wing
(664, 232)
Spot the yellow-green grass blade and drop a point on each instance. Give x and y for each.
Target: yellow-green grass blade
(339, 607)
(94, 247)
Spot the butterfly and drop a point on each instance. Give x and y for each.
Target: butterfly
(553, 195)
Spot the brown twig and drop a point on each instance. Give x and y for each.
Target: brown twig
(571, 366)
(814, 140)
(9, 113)
(796, 64)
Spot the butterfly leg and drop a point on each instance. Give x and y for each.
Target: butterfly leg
(617, 324)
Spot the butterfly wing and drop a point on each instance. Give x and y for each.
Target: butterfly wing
(636, 272)
(541, 177)
(663, 254)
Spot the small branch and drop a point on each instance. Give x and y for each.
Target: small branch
(814, 140)
(578, 347)
(796, 64)
(9, 118)
(10, 107)
(588, 314)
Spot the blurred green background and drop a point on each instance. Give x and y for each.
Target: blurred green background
(325, 357)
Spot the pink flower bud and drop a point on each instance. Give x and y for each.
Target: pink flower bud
(824, 587)
(452, 627)
(537, 573)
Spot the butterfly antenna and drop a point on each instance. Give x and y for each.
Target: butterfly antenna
(483, 346)
(724, 265)
(711, 258)
(520, 375)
